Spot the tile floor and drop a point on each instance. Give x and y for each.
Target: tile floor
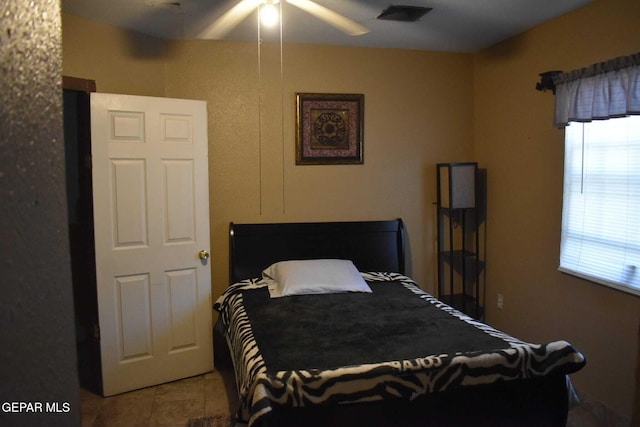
(166, 405)
(173, 404)
(591, 413)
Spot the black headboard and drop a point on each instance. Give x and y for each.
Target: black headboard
(371, 245)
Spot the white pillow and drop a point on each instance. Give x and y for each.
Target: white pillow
(317, 276)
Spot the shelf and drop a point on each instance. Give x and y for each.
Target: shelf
(457, 257)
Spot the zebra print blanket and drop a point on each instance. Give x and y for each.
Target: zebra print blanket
(396, 342)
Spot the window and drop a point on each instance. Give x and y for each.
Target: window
(601, 211)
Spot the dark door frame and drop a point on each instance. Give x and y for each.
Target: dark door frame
(77, 125)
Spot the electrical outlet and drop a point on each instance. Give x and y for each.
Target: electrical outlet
(500, 301)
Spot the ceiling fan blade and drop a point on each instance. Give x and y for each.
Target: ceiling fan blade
(231, 18)
(330, 17)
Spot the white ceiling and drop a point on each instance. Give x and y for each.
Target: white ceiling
(452, 25)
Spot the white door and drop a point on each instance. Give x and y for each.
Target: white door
(151, 213)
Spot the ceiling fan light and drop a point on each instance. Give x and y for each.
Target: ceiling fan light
(269, 15)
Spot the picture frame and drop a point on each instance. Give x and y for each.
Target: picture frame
(329, 129)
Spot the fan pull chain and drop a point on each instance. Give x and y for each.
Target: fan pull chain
(259, 115)
(260, 100)
(282, 107)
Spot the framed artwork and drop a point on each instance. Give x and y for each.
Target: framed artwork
(329, 129)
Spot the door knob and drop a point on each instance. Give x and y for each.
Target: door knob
(203, 255)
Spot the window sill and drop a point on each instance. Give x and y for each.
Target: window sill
(622, 288)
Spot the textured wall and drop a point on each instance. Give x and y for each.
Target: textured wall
(119, 61)
(37, 361)
(524, 154)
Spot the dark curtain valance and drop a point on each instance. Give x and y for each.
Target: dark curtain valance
(600, 91)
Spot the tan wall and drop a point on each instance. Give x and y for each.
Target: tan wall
(417, 112)
(120, 61)
(523, 153)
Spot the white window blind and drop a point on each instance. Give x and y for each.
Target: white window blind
(601, 211)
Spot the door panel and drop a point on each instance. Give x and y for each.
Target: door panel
(183, 299)
(178, 201)
(151, 220)
(134, 316)
(129, 203)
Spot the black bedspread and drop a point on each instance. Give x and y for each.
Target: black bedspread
(334, 330)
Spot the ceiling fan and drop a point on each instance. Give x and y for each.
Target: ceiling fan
(230, 19)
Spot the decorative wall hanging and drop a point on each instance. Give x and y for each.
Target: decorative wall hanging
(329, 129)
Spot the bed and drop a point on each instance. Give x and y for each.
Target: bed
(389, 355)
